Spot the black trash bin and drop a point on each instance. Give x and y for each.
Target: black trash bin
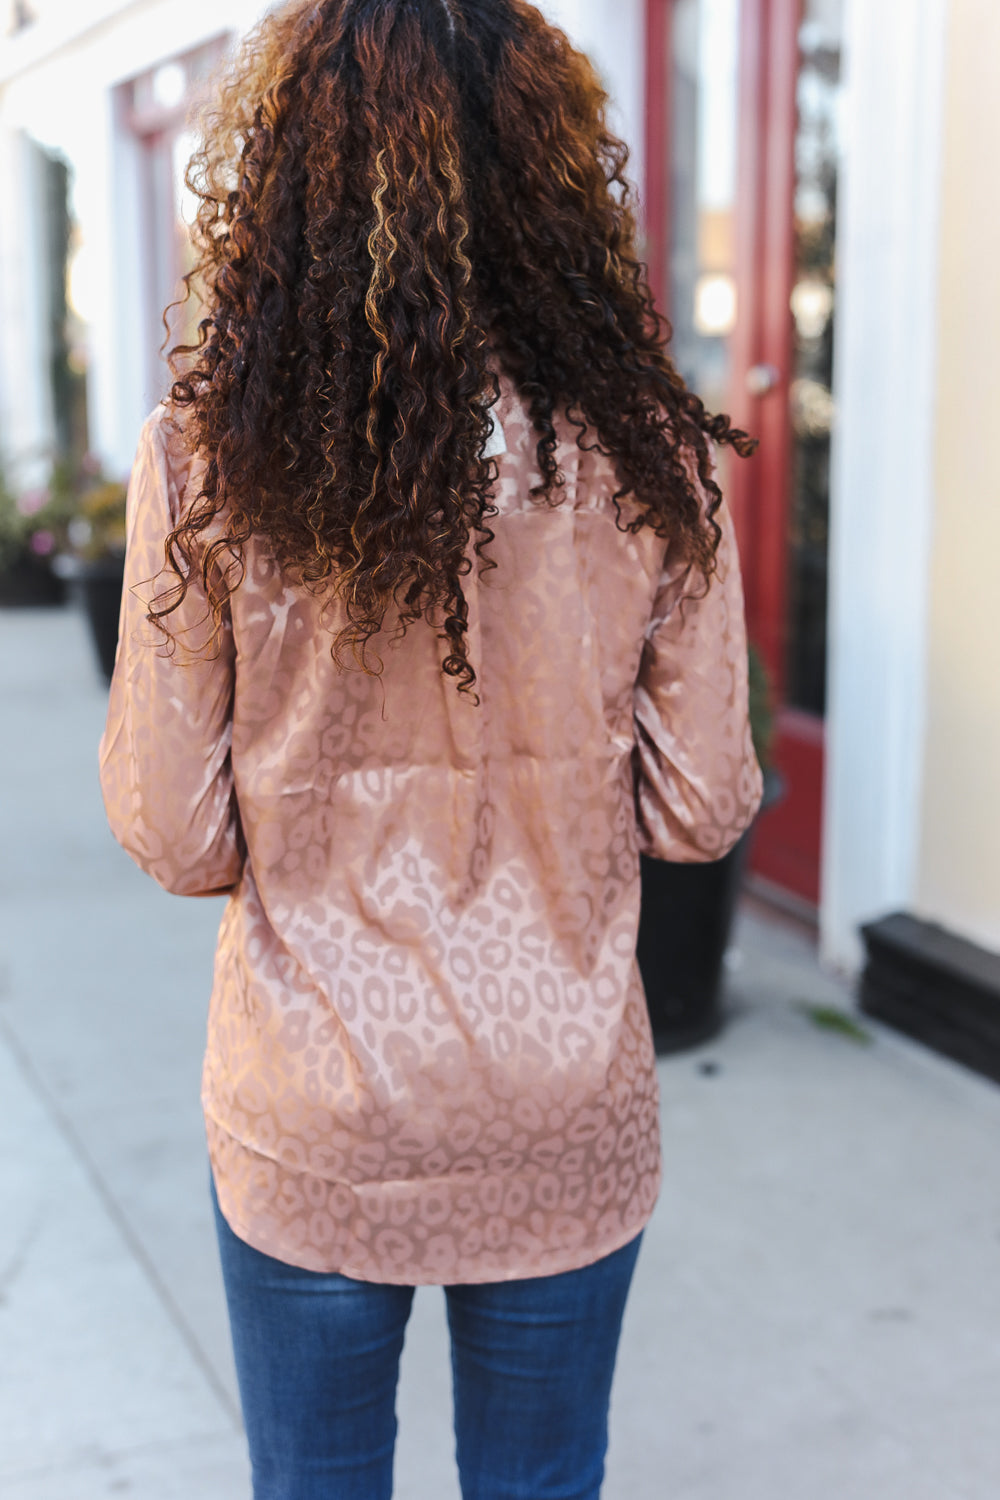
(684, 925)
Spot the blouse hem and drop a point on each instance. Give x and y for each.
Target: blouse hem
(551, 1263)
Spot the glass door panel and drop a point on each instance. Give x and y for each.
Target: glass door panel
(702, 280)
(813, 300)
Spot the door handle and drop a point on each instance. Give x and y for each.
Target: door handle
(762, 378)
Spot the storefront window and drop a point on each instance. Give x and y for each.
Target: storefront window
(63, 330)
(156, 106)
(21, 15)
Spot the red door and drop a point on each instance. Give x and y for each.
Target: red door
(740, 202)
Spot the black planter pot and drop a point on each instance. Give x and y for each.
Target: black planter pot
(684, 926)
(29, 582)
(98, 587)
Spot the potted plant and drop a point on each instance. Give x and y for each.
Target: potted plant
(32, 528)
(93, 560)
(687, 913)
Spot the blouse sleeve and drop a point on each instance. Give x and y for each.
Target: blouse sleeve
(698, 784)
(165, 757)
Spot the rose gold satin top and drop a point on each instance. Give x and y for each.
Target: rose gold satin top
(428, 1057)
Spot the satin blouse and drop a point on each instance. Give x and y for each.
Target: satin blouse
(428, 1055)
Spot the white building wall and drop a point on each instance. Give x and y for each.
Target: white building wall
(959, 866)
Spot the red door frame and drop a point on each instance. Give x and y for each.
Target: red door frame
(787, 847)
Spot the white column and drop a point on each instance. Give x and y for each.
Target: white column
(883, 463)
(26, 416)
(120, 354)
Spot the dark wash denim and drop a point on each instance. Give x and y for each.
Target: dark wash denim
(317, 1358)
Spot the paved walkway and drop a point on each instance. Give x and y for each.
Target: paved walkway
(816, 1314)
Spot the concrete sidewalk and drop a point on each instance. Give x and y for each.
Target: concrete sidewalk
(816, 1314)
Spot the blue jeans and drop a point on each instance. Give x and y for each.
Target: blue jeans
(317, 1358)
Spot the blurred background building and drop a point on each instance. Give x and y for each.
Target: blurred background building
(815, 178)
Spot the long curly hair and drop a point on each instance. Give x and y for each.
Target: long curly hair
(397, 199)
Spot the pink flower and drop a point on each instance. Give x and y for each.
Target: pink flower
(32, 501)
(42, 543)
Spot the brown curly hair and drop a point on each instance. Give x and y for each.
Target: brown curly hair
(397, 199)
